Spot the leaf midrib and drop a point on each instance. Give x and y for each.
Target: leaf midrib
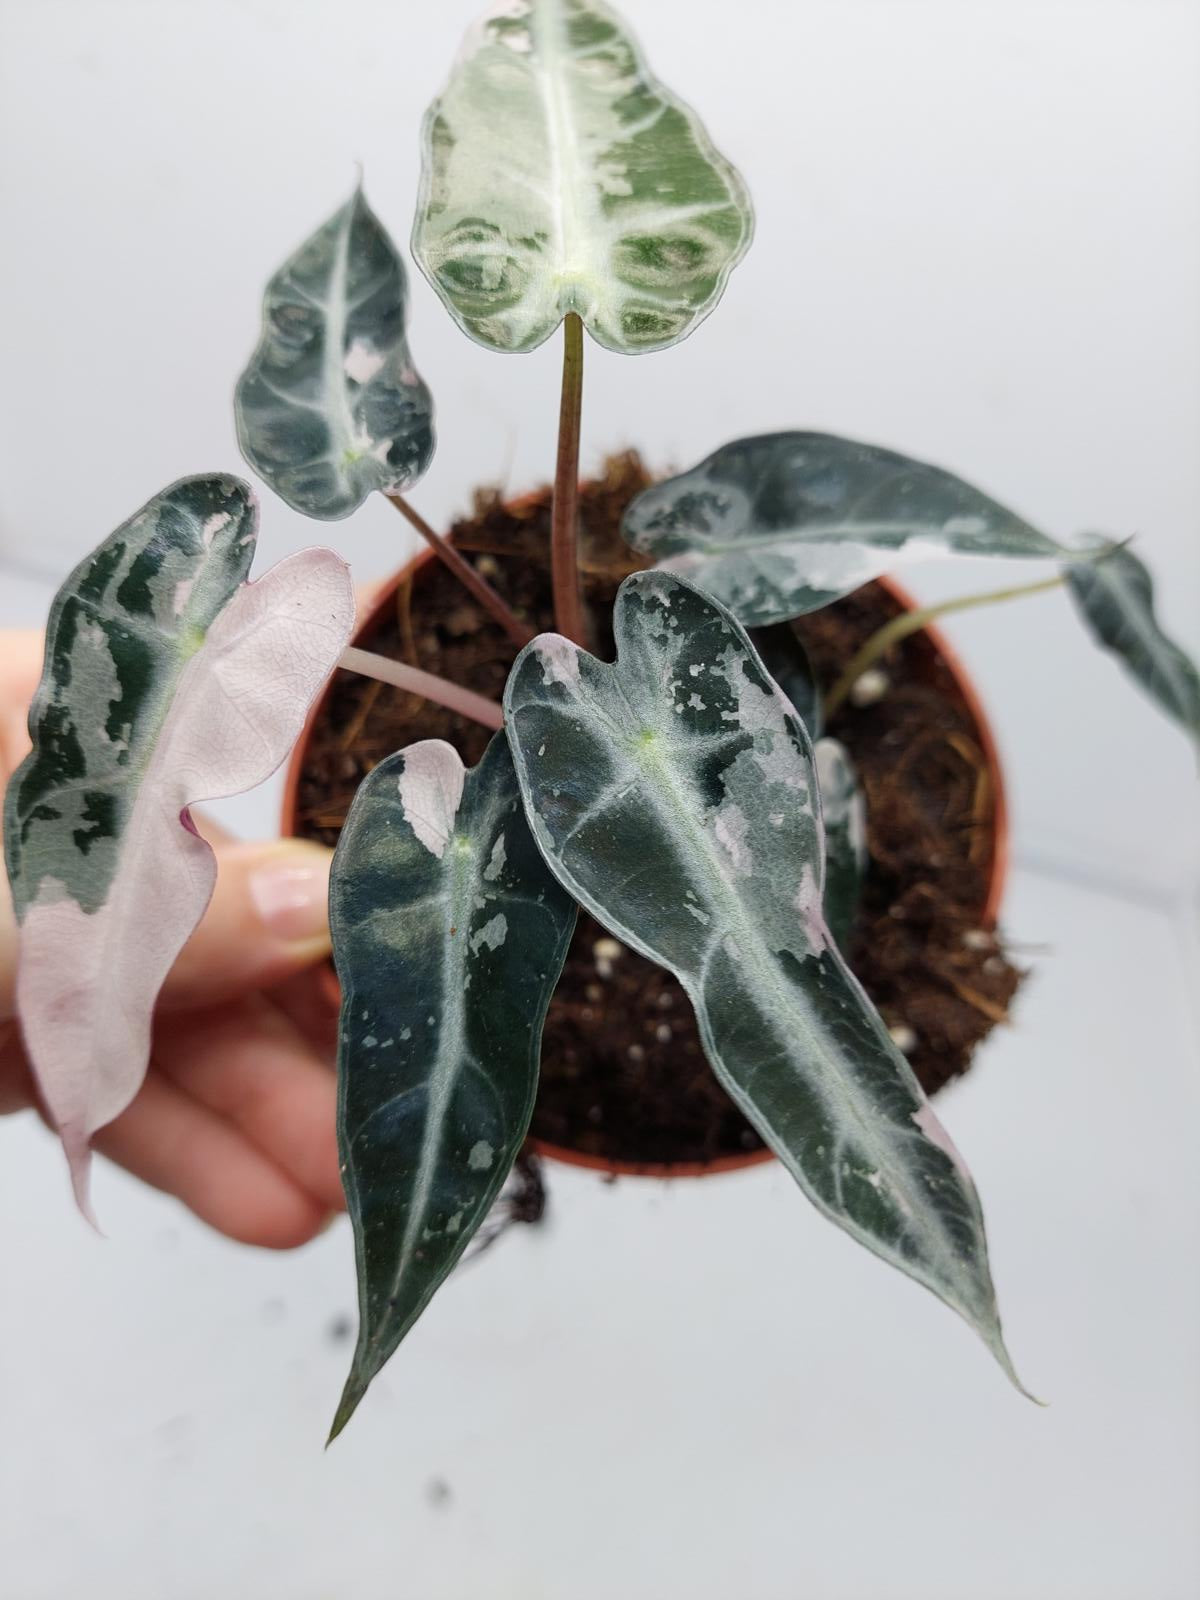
(333, 355)
(760, 974)
(567, 179)
(1140, 621)
(462, 879)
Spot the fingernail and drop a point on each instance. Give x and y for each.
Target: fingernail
(291, 894)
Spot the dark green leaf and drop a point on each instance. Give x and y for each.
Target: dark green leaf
(1115, 596)
(786, 659)
(673, 793)
(330, 407)
(783, 524)
(449, 935)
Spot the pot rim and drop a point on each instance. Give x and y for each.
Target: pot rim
(614, 1167)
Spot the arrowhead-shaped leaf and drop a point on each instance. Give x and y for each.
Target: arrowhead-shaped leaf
(844, 813)
(449, 935)
(1115, 595)
(782, 524)
(674, 794)
(168, 680)
(330, 407)
(559, 175)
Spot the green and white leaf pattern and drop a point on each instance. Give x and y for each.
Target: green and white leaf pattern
(844, 812)
(330, 406)
(1115, 596)
(168, 680)
(785, 523)
(560, 176)
(449, 934)
(673, 793)
(121, 630)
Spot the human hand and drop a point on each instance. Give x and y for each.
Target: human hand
(236, 1116)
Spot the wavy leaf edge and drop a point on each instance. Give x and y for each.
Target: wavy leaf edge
(559, 662)
(437, 881)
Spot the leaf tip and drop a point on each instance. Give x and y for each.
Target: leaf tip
(347, 1406)
(79, 1162)
(995, 1340)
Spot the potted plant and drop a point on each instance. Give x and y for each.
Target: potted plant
(671, 698)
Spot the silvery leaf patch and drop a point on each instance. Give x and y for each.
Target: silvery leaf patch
(844, 812)
(330, 407)
(785, 523)
(603, 195)
(674, 794)
(168, 680)
(449, 934)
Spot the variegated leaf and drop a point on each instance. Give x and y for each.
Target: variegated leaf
(330, 406)
(168, 680)
(449, 935)
(673, 793)
(786, 659)
(779, 525)
(1115, 596)
(559, 175)
(844, 812)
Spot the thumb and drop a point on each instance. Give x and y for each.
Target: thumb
(8, 953)
(268, 919)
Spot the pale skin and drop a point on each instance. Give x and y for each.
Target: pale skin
(236, 1116)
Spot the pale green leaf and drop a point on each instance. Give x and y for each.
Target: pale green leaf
(449, 935)
(673, 793)
(559, 175)
(1115, 595)
(330, 406)
(783, 524)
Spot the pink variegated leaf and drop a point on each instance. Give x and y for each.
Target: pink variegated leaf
(168, 680)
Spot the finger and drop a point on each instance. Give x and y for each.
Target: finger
(16, 1082)
(267, 920)
(17, 1092)
(20, 668)
(366, 595)
(179, 1146)
(8, 952)
(310, 1000)
(249, 1065)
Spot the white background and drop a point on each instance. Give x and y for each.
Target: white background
(978, 241)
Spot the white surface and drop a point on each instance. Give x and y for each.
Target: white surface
(699, 1389)
(978, 241)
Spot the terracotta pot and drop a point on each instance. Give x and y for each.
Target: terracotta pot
(989, 912)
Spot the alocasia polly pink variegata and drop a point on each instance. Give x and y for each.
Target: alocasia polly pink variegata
(168, 680)
(683, 794)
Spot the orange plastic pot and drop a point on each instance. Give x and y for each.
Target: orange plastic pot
(989, 911)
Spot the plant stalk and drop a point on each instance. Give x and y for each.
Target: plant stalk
(426, 684)
(466, 574)
(564, 515)
(912, 622)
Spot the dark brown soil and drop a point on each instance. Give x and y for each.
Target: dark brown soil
(623, 1074)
